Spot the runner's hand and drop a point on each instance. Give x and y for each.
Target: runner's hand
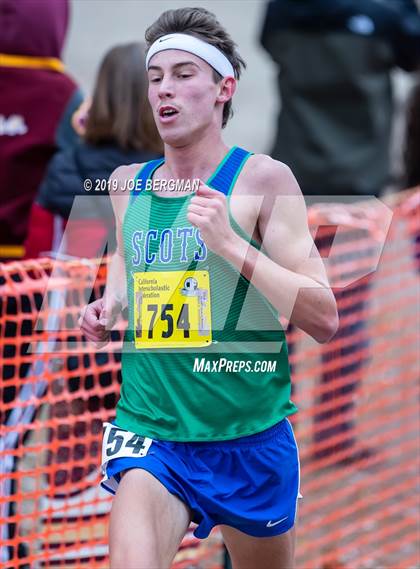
(96, 321)
(208, 211)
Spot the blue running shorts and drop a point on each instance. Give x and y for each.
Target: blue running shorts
(250, 483)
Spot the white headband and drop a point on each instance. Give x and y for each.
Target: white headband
(191, 44)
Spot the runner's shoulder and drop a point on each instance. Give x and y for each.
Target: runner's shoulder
(121, 195)
(124, 173)
(265, 174)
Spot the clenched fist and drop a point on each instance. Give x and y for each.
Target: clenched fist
(96, 321)
(208, 211)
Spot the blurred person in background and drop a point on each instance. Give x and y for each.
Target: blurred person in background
(335, 60)
(116, 128)
(37, 99)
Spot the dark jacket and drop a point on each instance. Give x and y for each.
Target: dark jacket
(64, 181)
(335, 60)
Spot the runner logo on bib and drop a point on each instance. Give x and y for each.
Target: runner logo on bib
(172, 309)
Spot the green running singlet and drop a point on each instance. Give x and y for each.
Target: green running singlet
(205, 356)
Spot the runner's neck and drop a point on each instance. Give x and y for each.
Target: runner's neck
(198, 160)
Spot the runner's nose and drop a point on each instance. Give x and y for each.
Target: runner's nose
(166, 88)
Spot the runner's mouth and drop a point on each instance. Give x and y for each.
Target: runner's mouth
(167, 111)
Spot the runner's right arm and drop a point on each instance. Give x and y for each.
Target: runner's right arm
(98, 317)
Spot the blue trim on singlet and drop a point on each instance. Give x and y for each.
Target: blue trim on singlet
(223, 179)
(144, 174)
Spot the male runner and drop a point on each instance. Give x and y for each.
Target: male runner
(201, 432)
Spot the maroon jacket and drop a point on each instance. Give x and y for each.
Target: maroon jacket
(35, 108)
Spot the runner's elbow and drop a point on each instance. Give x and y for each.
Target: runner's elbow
(327, 328)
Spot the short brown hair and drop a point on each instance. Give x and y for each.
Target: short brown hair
(120, 112)
(204, 25)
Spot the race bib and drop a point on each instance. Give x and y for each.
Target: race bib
(119, 443)
(172, 309)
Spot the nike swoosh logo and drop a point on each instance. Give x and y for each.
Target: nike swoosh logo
(270, 524)
(164, 39)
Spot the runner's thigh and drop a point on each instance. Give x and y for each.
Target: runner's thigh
(247, 552)
(147, 523)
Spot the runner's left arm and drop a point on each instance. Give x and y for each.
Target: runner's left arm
(290, 272)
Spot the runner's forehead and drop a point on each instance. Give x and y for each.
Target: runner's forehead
(172, 58)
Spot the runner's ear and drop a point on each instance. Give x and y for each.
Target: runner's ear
(227, 88)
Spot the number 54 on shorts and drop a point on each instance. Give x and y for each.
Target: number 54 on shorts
(119, 443)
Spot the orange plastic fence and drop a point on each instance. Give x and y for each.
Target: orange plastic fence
(357, 429)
